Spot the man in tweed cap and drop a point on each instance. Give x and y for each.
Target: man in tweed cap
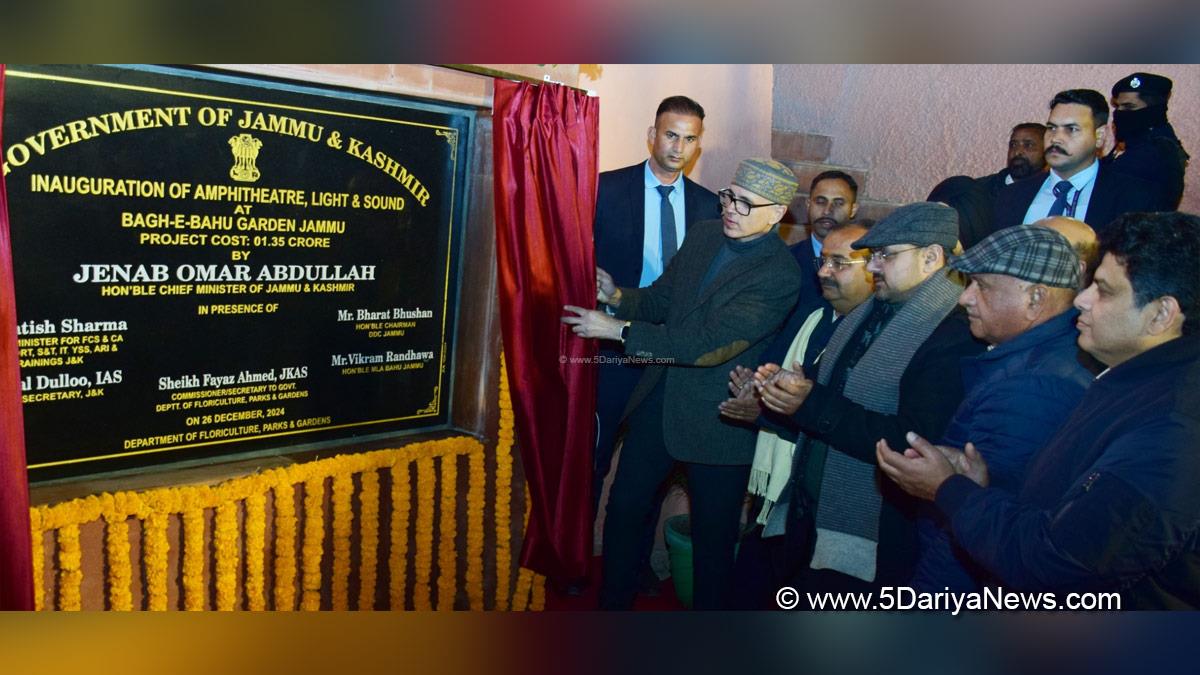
(718, 303)
(892, 365)
(1023, 281)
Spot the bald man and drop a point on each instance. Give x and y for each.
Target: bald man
(1083, 240)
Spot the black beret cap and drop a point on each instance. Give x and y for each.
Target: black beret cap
(1143, 83)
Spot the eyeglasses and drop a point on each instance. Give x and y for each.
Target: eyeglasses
(836, 263)
(885, 256)
(740, 205)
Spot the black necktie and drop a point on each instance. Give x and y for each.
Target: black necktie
(666, 218)
(1061, 190)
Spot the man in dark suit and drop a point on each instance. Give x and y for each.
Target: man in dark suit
(630, 209)
(720, 302)
(832, 202)
(1078, 186)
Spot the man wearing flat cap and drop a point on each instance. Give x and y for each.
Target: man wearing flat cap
(1147, 146)
(1109, 504)
(719, 303)
(1023, 281)
(892, 365)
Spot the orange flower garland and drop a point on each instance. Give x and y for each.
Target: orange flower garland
(447, 551)
(256, 541)
(193, 555)
(477, 483)
(120, 574)
(154, 509)
(39, 559)
(225, 541)
(285, 544)
(343, 488)
(70, 577)
(426, 482)
(154, 559)
(368, 509)
(398, 560)
(314, 543)
(504, 475)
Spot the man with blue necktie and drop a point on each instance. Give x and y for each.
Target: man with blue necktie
(1078, 186)
(643, 213)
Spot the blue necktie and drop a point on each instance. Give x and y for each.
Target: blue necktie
(666, 218)
(1061, 190)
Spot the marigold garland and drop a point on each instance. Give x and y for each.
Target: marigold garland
(448, 533)
(193, 555)
(368, 509)
(120, 573)
(154, 559)
(343, 489)
(477, 483)
(504, 476)
(313, 547)
(285, 545)
(398, 560)
(155, 507)
(39, 559)
(256, 542)
(225, 541)
(423, 562)
(70, 577)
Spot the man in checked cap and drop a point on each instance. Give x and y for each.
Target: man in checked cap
(1110, 502)
(1023, 281)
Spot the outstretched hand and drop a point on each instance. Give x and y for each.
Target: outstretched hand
(589, 323)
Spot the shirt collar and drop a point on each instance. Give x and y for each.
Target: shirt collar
(1079, 180)
(653, 182)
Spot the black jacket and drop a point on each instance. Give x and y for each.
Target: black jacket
(1110, 503)
(930, 391)
(1112, 195)
(704, 333)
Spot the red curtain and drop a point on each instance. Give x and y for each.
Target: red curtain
(545, 172)
(16, 562)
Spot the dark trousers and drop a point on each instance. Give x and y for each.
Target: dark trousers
(614, 384)
(716, 494)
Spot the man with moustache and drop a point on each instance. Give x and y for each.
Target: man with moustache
(1109, 503)
(1023, 280)
(832, 202)
(1147, 146)
(1077, 185)
(846, 531)
(722, 299)
(762, 563)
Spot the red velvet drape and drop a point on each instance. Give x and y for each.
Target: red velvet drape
(545, 152)
(16, 563)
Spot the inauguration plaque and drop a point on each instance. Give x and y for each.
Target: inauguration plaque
(209, 264)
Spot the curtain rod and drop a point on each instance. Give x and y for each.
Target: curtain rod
(492, 72)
